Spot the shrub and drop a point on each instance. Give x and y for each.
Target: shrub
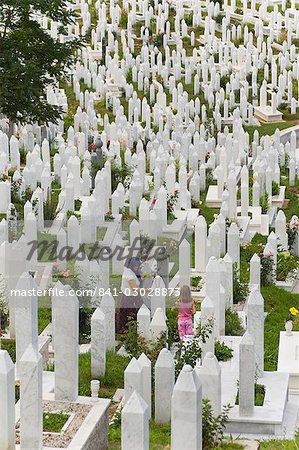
(196, 282)
(85, 314)
(213, 427)
(189, 19)
(240, 290)
(50, 207)
(233, 325)
(171, 202)
(222, 351)
(275, 188)
(135, 344)
(192, 352)
(286, 263)
(119, 175)
(264, 203)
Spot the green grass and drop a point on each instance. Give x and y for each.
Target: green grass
(277, 305)
(10, 346)
(53, 422)
(113, 379)
(280, 445)
(259, 395)
(44, 318)
(267, 129)
(46, 250)
(160, 436)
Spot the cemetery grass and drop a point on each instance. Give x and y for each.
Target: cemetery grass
(160, 437)
(53, 422)
(267, 129)
(112, 380)
(277, 304)
(280, 445)
(44, 313)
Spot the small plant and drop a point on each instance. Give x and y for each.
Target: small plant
(190, 353)
(275, 188)
(264, 203)
(50, 207)
(222, 351)
(116, 420)
(213, 427)
(233, 325)
(171, 203)
(189, 19)
(286, 264)
(135, 344)
(259, 395)
(293, 312)
(196, 282)
(109, 217)
(240, 290)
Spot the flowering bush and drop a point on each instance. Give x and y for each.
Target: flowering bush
(287, 264)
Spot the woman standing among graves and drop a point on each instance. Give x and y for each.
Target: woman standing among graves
(130, 300)
(186, 312)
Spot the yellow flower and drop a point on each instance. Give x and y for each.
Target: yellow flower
(293, 311)
(17, 384)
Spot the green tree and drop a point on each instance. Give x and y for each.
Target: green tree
(31, 60)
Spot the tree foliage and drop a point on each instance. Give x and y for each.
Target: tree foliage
(30, 59)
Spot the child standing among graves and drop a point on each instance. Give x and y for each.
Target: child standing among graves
(186, 311)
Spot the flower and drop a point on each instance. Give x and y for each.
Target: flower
(66, 274)
(293, 311)
(154, 201)
(55, 264)
(292, 314)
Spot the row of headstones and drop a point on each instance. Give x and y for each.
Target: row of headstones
(65, 320)
(177, 401)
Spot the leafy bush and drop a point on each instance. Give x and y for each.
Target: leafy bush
(240, 290)
(222, 351)
(233, 325)
(264, 203)
(119, 175)
(213, 427)
(85, 314)
(286, 263)
(192, 352)
(135, 344)
(189, 19)
(218, 19)
(196, 282)
(50, 207)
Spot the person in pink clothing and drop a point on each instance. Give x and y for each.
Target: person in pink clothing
(186, 311)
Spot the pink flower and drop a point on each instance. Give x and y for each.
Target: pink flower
(55, 264)
(66, 274)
